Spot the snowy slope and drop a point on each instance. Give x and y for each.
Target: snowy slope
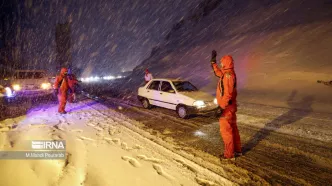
(103, 148)
(279, 47)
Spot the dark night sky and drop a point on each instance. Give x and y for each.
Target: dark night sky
(107, 35)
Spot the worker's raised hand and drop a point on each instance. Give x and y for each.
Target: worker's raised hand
(214, 56)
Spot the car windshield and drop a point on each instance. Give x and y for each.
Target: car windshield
(29, 75)
(184, 86)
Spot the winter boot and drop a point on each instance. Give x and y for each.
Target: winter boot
(224, 159)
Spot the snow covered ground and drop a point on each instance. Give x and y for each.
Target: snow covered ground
(103, 148)
(110, 138)
(282, 145)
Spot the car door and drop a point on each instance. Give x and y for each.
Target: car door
(153, 93)
(168, 95)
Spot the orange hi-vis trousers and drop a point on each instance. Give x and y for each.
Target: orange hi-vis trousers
(62, 97)
(230, 133)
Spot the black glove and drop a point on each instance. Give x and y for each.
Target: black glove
(219, 112)
(214, 56)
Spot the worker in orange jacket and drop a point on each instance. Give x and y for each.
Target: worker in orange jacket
(61, 87)
(226, 96)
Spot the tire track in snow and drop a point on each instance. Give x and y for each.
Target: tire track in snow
(152, 159)
(206, 166)
(131, 160)
(253, 119)
(244, 174)
(283, 147)
(236, 172)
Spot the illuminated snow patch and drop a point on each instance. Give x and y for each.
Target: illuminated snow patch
(199, 133)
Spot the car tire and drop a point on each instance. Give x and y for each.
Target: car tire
(146, 104)
(182, 111)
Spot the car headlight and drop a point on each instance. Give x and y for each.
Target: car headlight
(46, 86)
(9, 92)
(215, 101)
(16, 87)
(199, 104)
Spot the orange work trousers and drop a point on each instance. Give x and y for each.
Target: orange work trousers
(230, 133)
(62, 97)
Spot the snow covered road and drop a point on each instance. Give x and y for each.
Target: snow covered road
(283, 146)
(114, 143)
(103, 148)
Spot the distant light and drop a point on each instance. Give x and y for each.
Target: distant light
(90, 79)
(109, 77)
(96, 78)
(46, 86)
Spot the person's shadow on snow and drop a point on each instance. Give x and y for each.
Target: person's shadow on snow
(298, 110)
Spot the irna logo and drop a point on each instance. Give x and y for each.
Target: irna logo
(48, 145)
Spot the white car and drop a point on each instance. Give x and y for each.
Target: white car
(177, 95)
(30, 82)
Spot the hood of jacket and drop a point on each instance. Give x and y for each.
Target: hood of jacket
(63, 71)
(227, 62)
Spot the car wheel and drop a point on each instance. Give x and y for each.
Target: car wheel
(182, 112)
(146, 103)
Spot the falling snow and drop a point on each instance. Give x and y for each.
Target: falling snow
(282, 53)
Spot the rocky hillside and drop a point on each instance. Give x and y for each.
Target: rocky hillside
(281, 48)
